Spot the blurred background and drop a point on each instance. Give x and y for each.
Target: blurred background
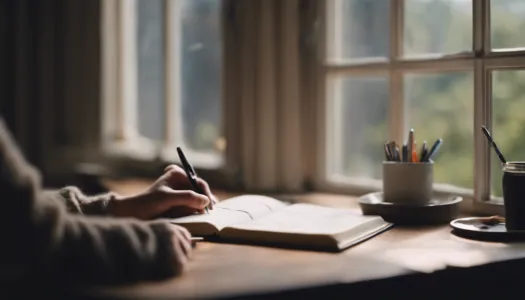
(290, 95)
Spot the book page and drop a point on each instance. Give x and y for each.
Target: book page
(235, 210)
(307, 219)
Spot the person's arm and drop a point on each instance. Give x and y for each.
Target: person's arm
(77, 202)
(40, 237)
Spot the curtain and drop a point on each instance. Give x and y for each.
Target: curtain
(266, 50)
(50, 62)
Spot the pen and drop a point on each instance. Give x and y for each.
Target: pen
(194, 241)
(433, 150)
(387, 152)
(398, 155)
(394, 151)
(190, 173)
(410, 144)
(423, 151)
(414, 153)
(489, 137)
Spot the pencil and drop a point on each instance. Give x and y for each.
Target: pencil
(410, 144)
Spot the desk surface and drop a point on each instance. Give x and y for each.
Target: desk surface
(234, 270)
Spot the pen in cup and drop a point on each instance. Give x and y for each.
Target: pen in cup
(410, 144)
(491, 140)
(423, 151)
(398, 154)
(414, 153)
(410, 152)
(394, 151)
(433, 150)
(388, 156)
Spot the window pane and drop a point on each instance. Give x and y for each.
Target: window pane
(150, 77)
(437, 26)
(507, 23)
(357, 129)
(508, 120)
(361, 29)
(442, 106)
(201, 51)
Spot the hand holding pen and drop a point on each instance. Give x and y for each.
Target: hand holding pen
(170, 196)
(198, 185)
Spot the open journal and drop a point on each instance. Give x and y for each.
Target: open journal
(254, 219)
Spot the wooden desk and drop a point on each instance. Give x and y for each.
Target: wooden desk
(399, 258)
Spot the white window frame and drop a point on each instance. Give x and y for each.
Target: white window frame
(119, 136)
(481, 61)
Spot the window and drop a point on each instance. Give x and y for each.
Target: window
(169, 66)
(442, 67)
(219, 77)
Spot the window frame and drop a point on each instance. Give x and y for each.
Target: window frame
(121, 146)
(481, 61)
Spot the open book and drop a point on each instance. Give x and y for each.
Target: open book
(257, 219)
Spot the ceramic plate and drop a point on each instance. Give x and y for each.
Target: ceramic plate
(485, 228)
(437, 211)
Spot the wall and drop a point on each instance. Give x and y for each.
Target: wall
(49, 70)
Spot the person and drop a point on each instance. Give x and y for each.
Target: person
(66, 236)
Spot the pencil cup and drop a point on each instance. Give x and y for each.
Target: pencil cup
(408, 183)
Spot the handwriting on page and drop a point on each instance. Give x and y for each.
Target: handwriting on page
(254, 205)
(235, 210)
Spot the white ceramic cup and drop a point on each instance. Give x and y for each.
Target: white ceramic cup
(408, 183)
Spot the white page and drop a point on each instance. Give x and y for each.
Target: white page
(235, 210)
(307, 219)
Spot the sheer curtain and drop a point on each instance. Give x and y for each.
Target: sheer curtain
(265, 81)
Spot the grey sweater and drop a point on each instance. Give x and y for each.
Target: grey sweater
(65, 235)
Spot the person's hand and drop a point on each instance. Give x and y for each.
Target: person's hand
(181, 242)
(175, 178)
(169, 196)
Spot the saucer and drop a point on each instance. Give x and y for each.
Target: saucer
(485, 228)
(437, 211)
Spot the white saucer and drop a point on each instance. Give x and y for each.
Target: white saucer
(437, 211)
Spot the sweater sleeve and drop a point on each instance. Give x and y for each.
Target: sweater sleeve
(76, 202)
(42, 238)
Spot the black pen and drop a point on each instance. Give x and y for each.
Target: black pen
(424, 151)
(190, 173)
(491, 140)
(433, 150)
(404, 153)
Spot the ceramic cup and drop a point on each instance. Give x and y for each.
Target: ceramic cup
(514, 195)
(408, 183)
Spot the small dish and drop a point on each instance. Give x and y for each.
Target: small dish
(437, 211)
(485, 228)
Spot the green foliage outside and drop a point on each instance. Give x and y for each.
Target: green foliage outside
(437, 105)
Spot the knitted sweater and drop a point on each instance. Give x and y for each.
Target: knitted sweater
(65, 236)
